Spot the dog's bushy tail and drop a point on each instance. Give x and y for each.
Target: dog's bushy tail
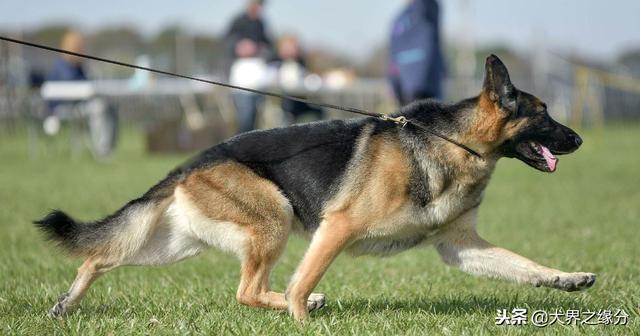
(120, 232)
(77, 237)
(74, 236)
(59, 227)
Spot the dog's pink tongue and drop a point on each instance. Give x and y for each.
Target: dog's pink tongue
(552, 161)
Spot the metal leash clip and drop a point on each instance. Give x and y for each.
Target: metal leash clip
(398, 120)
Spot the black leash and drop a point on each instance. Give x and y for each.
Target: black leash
(424, 128)
(398, 120)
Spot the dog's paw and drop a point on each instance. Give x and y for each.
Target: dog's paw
(572, 282)
(60, 308)
(315, 301)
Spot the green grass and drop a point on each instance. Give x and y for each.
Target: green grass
(582, 218)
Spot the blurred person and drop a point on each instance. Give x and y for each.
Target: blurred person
(102, 118)
(67, 67)
(291, 73)
(141, 78)
(249, 48)
(416, 64)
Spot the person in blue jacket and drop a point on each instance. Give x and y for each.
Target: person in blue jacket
(67, 67)
(416, 64)
(101, 116)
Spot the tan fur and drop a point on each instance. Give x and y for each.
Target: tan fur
(490, 125)
(88, 272)
(381, 186)
(233, 193)
(489, 120)
(333, 235)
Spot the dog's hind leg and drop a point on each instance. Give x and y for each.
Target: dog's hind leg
(265, 243)
(90, 270)
(107, 243)
(235, 210)
(461, 246)
(151, 237)
(254, 289)
(262, 253)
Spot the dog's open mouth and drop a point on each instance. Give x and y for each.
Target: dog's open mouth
(538, 156)
(549, 158)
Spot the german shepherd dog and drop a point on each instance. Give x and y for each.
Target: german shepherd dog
(365, 186)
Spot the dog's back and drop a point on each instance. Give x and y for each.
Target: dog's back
(303, 161)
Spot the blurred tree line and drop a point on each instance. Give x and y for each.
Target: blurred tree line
(177, 49)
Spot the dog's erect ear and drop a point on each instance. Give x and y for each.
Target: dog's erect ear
(497, 84)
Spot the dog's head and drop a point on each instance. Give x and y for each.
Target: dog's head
(516, 124)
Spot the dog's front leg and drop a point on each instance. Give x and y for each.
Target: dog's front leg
(328, 241)
(461, 246)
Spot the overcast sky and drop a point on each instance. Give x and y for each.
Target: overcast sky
(596, 28)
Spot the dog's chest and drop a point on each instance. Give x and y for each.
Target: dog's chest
(416, 222)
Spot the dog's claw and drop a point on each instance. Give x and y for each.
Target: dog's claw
(315, 301)
(59, 309)
(572, 282)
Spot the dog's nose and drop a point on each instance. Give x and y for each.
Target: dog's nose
(576, 139)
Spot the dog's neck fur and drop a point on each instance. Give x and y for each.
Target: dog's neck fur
(464, 122)
(474, 122)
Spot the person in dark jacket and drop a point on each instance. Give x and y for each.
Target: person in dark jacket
(249, 25)
(416, 64)
(249, 48)
(292, 69)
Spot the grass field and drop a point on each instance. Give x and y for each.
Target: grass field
(585, 217)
